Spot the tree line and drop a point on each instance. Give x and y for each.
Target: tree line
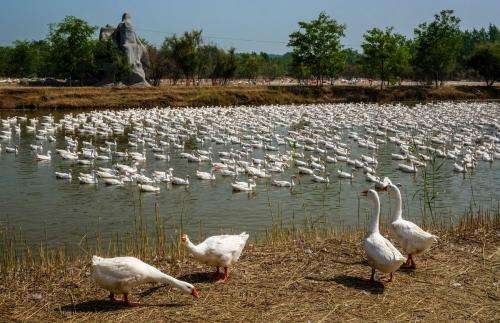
(439, 51)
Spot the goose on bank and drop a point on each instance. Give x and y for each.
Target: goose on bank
(218, 251)
(380, 252)
(412, 238)
(120, 274)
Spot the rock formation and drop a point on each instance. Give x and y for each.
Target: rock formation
(125, 37)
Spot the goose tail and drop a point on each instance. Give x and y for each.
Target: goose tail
(244, 236)
(96, 260)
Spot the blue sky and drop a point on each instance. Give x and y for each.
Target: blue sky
(267, 23)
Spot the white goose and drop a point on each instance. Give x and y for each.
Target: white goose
(283, 183)
(412, 238)
(320, 179)
(180, 181)
(244, 186)
(342, 174)
(120, 274)
(218, 251)
(41, 157)
(205, 175)
(148, 188)
(380, 252)
(62, 175)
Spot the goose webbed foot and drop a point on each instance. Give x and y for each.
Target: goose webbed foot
(125, 301)
(225, 278)
(410, 263)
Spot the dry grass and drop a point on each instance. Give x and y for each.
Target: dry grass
(290, 280)
(178, 96)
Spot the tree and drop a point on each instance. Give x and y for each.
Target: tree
(384, 54)
(110, 64)
(248, 65)
(157, 68)
(486, 61)
(22, 61)
(71, 53)
(316, 46)
(230, 65)
(181, 54)
(437, 46)
(207, 57)
(5, 54)
(353, 60)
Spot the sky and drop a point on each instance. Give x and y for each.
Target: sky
(247, 25)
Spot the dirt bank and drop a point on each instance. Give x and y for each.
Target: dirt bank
(179, 96)
(319, 280)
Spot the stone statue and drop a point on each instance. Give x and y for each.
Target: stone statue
(137, 55)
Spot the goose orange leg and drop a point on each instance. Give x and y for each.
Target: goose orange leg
(226, 275)
(127, 302)
(372, 278)
(391, 276)
(413, 265)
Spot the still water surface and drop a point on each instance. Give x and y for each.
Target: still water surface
(62, 212)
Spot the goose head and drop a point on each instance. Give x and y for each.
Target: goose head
(187, 288)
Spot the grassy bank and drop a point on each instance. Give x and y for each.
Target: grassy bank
(179, 96)
(290, 274)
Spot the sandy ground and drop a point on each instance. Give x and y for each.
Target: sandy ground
(322, 280)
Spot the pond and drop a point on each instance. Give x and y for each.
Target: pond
(60, 211)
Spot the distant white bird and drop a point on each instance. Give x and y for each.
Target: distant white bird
(62, 175)
(342, 174)
(148, 188)
(205, 175)
(41, 157)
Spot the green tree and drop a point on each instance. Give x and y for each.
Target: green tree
(181, 55)
(353, 64)
(71, 53)
(110, 64)
(316, 46)
(230, 65)
(207, 57)
(248, 65)
(486, 61)
(385, 54)
(437, 46)
(5, 54)
(157, 66)
(23, 60)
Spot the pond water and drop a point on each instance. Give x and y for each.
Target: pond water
(62, 212)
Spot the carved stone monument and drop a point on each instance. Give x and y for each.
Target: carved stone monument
(137, 55)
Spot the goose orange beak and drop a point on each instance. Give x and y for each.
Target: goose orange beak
(364, 193)
(184, 237)
(195, 293)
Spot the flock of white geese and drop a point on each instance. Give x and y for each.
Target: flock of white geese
(305, 140)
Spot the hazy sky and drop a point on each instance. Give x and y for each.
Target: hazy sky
(266, 24)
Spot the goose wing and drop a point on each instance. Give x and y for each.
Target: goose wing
(122, 269)
(226, 247)
(382, 250)
(408, 230)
